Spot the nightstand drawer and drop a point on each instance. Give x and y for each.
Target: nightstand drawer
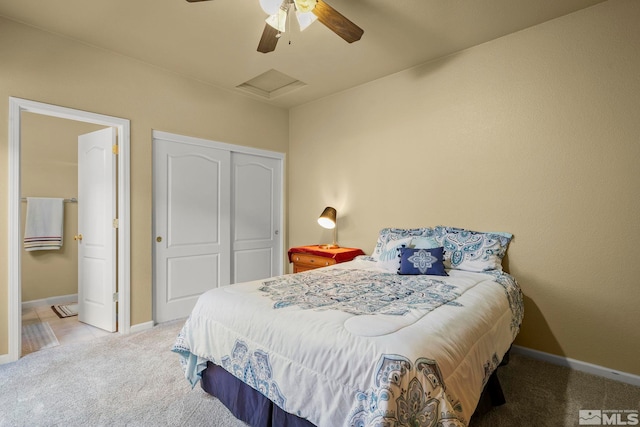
(311, 261)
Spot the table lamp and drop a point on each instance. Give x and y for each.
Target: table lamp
(328, 219)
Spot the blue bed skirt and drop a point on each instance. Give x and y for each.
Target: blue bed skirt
(255, 409)
(244, 402)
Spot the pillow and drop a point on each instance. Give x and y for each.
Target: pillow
(389, 259)
(472, 250)
(389, 235)
(422, 261)
(424, 243)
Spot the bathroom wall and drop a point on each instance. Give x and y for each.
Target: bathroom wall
(49, 161)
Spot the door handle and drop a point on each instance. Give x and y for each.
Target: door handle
(159, 239)
(77, 237)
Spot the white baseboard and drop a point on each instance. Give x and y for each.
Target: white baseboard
(141, 327)
(4, 358)
(578, 365)
(62, 299)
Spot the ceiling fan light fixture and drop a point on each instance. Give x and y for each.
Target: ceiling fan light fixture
(276, 23)
(278, 20)
(305, 6)
(270, 7)
(305, 19)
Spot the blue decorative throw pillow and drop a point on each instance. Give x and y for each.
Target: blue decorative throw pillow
(422, 261)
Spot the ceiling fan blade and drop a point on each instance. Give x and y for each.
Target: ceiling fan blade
(195, 1)
(337, 23)
(269, 39)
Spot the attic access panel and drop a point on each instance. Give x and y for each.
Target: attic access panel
(271, 84)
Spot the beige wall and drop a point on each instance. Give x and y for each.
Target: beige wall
(43, 67)
(536, 134)
(49, 168)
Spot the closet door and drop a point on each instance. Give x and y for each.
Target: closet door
(256, 217)
(192, 225)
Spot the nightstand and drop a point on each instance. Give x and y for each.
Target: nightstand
(309, 257)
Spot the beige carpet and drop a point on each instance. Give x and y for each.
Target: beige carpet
(132, 380)
(136, 380)
(544, 395)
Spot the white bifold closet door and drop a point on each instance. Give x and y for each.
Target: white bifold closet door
(217, 215)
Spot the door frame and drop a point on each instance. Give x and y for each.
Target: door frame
(172, 137)
(16, 107)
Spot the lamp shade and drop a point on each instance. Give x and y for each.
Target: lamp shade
(270, 6)
(328, 218)
(278, 20)
(305, 19)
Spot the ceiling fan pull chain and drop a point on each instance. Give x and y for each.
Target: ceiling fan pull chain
(290, 10)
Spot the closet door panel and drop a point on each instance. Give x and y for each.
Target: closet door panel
(256, 215)
(192, 223)
(260, 260)
(193, 200)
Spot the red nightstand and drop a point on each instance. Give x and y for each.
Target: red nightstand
(309, 257)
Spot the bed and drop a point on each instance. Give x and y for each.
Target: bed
(409, 335)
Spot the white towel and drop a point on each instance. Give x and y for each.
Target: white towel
(44, 224)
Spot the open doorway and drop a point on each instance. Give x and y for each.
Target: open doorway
(19, 114)
(49, 277)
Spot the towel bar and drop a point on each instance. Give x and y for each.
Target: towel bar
(71, 200)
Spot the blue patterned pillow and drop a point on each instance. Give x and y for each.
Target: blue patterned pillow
(422, 261)
(388, 236)
(472, 250)
(422, 242)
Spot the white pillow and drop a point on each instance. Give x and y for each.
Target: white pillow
(389, 258)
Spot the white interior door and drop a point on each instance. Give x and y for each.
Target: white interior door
(96, 233)
(256, 217)
(191, 223)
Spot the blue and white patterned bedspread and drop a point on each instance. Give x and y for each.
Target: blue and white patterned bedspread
(351, 345)
(360, 291)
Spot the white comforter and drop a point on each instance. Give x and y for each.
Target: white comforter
(326, 353)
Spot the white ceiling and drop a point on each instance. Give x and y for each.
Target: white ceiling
(215, 41)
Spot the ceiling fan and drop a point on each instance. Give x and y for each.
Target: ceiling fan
(307, 11)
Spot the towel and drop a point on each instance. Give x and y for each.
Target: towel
(44, 225)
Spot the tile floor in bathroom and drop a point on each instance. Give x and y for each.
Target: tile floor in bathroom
(66, 330)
